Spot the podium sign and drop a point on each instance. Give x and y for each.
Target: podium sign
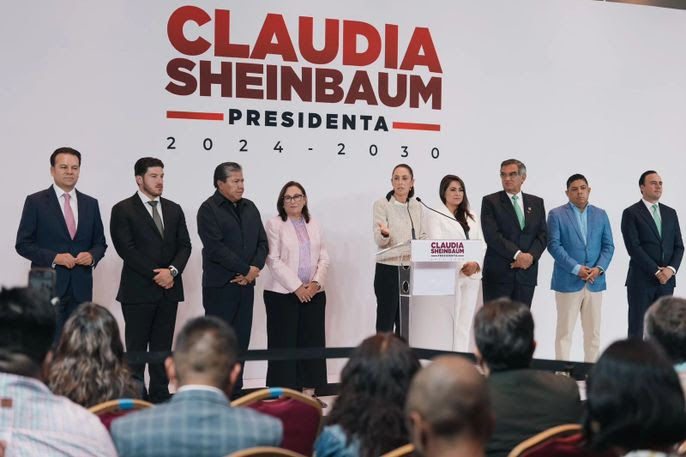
(435, 262)
(447, 250)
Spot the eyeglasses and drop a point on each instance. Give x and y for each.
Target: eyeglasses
(295, 198)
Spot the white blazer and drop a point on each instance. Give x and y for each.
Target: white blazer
(442, 228)
(284, 255)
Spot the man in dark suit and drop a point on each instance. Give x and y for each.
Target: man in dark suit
(653, 240)
(150, 235)
(234, 251)
(514, 228)
(198, 420)
(61, 228)
(524, 401)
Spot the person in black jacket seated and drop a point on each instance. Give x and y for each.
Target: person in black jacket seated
(525, 401)
(234, 251)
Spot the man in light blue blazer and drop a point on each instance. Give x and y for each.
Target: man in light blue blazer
(198, 421)
(580, 241)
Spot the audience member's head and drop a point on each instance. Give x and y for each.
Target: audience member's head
(665, 322)
(448, 408)
(88, 367)
(634, 399)
(27, 328)
(504, 334)
(374, 385)
(206, 353)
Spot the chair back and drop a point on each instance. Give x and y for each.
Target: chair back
(265, 451)
(108, 411)
(402, 451)
(563, 439)
(301, 415)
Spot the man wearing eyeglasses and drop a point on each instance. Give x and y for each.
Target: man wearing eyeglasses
(514, 228)
(234, 251)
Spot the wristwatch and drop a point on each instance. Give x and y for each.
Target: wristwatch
(174, 272)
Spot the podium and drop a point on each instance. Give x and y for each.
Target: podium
(433, 265)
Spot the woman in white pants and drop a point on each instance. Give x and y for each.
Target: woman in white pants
(432, 314)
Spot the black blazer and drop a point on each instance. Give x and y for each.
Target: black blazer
(232, 239)
(42, 234)
(504, 237)
(649, 251)
(139, 244)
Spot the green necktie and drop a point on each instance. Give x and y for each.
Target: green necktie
(657, 218)
(518, 211)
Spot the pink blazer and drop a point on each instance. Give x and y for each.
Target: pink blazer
(284, 255)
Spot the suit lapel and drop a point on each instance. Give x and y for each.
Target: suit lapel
(645, 213)
(166, 217)
(54, 205)
(509, 208)
(143, 213)
(574, 223)
(528, 209)
(81, 205)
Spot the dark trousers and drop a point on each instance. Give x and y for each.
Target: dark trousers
(67, 305)
(291, 324)
(233, 304)
(523, 293)
(640, 299)
(150, 326)
(387, 291)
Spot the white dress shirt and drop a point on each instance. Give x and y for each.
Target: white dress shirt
(145, 199)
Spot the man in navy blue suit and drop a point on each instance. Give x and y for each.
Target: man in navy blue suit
(580, 241)
(653, 240)
(61, 228)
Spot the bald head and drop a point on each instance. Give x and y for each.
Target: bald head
(451, 398)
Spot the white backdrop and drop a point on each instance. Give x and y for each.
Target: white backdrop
(564, 85)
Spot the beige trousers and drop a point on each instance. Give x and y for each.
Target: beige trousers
(569, 306)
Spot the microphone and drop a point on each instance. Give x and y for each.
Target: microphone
(414, 237)
(435, 211)
(442, 214)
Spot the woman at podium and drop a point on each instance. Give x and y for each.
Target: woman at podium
(397, 220)
(432, 315)
(294, 295)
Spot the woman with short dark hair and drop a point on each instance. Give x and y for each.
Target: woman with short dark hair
(294, 295)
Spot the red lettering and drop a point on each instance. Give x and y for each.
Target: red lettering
(272, 79)
(421, 40)
(328, 85)
(175, 71)
(290, 82)
(352, 30)
(175, 30)
(400, 91)
(361, 89)
(431, 90)
(248, 74)
(391, 47)
(207, 78)
(222, 37)
(306, 40)
(274, 27)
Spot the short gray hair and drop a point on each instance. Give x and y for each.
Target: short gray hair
(521, 168)
(224, 170)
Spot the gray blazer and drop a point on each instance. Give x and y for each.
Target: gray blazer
(194, 423)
